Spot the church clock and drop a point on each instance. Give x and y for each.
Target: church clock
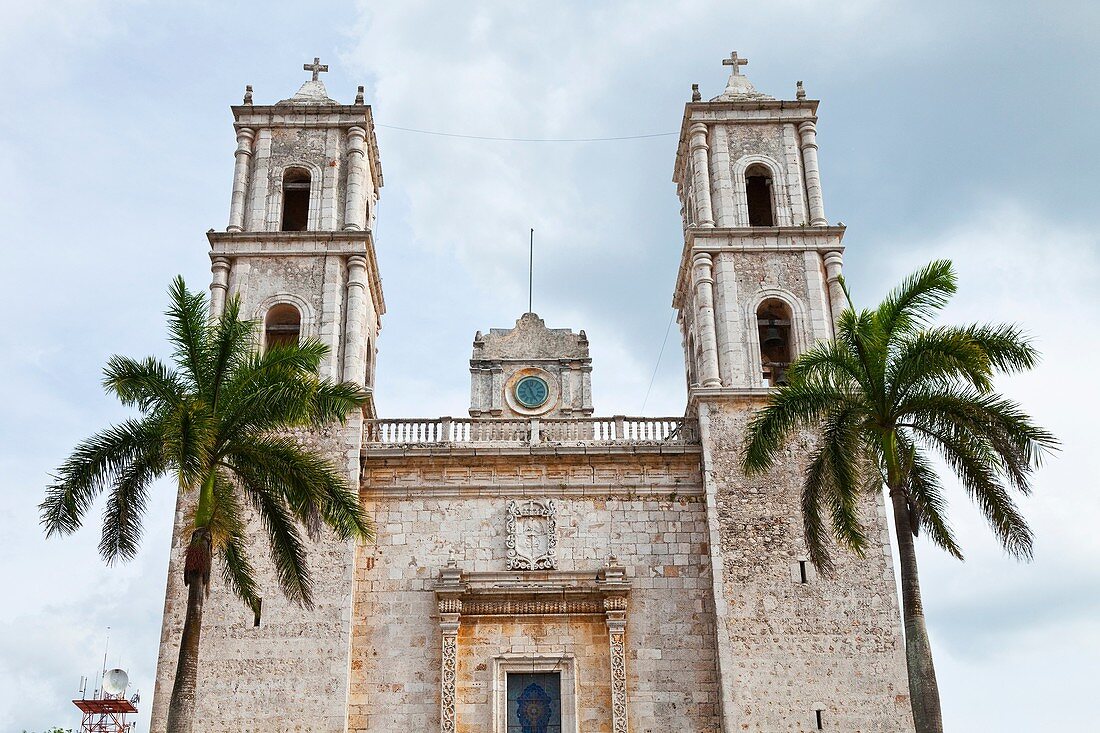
(532, 392)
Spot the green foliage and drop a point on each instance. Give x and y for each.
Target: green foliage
(216, 418)
(887, 393)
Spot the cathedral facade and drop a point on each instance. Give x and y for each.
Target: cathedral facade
(539, 568)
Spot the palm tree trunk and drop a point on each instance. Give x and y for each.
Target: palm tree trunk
(196, 575)
(924, 691)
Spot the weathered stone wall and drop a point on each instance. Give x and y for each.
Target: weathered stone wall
(789, 648)
(658, 533)
(291, 672)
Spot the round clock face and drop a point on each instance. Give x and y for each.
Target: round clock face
(531, 392)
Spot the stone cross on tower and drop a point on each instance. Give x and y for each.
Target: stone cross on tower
(317, 67)
(734, 61)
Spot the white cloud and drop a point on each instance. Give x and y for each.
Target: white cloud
(107, 182)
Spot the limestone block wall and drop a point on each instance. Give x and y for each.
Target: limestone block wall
(290, 673)
(743, 280)
(789, 648)
(662, 539)
(322, 152)
(316, 285)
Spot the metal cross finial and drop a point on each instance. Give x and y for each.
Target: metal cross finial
(317, 67)
(735, 61)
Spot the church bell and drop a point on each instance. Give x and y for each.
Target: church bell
(772, 337)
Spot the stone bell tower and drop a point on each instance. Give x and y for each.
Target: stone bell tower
(299, 252)
(758, 284)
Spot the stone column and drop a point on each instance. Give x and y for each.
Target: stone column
(615, 609)
(808, 132)
(838, 301)
(245, 136)
(355, 194)
(701, 175)
(219, 285)
(704, 308)
(355, 327)
(449, 614)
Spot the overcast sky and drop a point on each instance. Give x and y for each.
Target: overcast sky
(948, 129)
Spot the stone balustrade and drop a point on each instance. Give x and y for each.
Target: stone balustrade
(617, 430)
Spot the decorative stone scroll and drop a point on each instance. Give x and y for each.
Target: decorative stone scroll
(532, 535)
(615, 607)
(448, 715)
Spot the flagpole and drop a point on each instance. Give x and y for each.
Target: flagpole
(531, 273)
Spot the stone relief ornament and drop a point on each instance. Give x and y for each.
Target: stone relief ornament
(448, 713)
(532, 535)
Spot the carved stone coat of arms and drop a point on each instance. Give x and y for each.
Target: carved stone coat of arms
(532, 535)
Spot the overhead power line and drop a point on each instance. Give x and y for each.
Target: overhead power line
(529, 139)
(657, 366)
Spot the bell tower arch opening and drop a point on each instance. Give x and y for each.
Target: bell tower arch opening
(282, 325)
(296, 184)
(773, 324)
(760, 196)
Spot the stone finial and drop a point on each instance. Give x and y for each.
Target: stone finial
(695, 95)
(359, 95)
(799, 91)
(248, 94)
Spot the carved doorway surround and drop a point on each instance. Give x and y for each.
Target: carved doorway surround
(548, 593)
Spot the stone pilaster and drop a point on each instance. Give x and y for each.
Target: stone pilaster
(808, 132)
(449, 613)
(725, 210)
(701, 175)
(355, 205)
(245, 136)
(834, 262)
(615, 610)
(353, 370)
(703, 276)
(219, 284)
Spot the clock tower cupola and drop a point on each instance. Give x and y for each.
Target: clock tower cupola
(530, 371)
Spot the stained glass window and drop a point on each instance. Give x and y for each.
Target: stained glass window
(534, 702)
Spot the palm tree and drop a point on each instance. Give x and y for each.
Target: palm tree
(886, 395)
(216, 420)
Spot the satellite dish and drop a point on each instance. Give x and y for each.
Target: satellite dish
(115, 681)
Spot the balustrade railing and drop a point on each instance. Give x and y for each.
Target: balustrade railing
(532, 431)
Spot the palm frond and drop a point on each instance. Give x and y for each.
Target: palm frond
(926, 495)
(1008, 348)
(147, 384)
(288, 554)
(829, 361)
(188, 332)
(189, 437)
(315, 490)
(95, 463)
(971, 458)
(230, 541)
(232, 341)
(917, 299)
(933, 357)
(125, 508)
(834, 482)
(802, 403)
(334, 401)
